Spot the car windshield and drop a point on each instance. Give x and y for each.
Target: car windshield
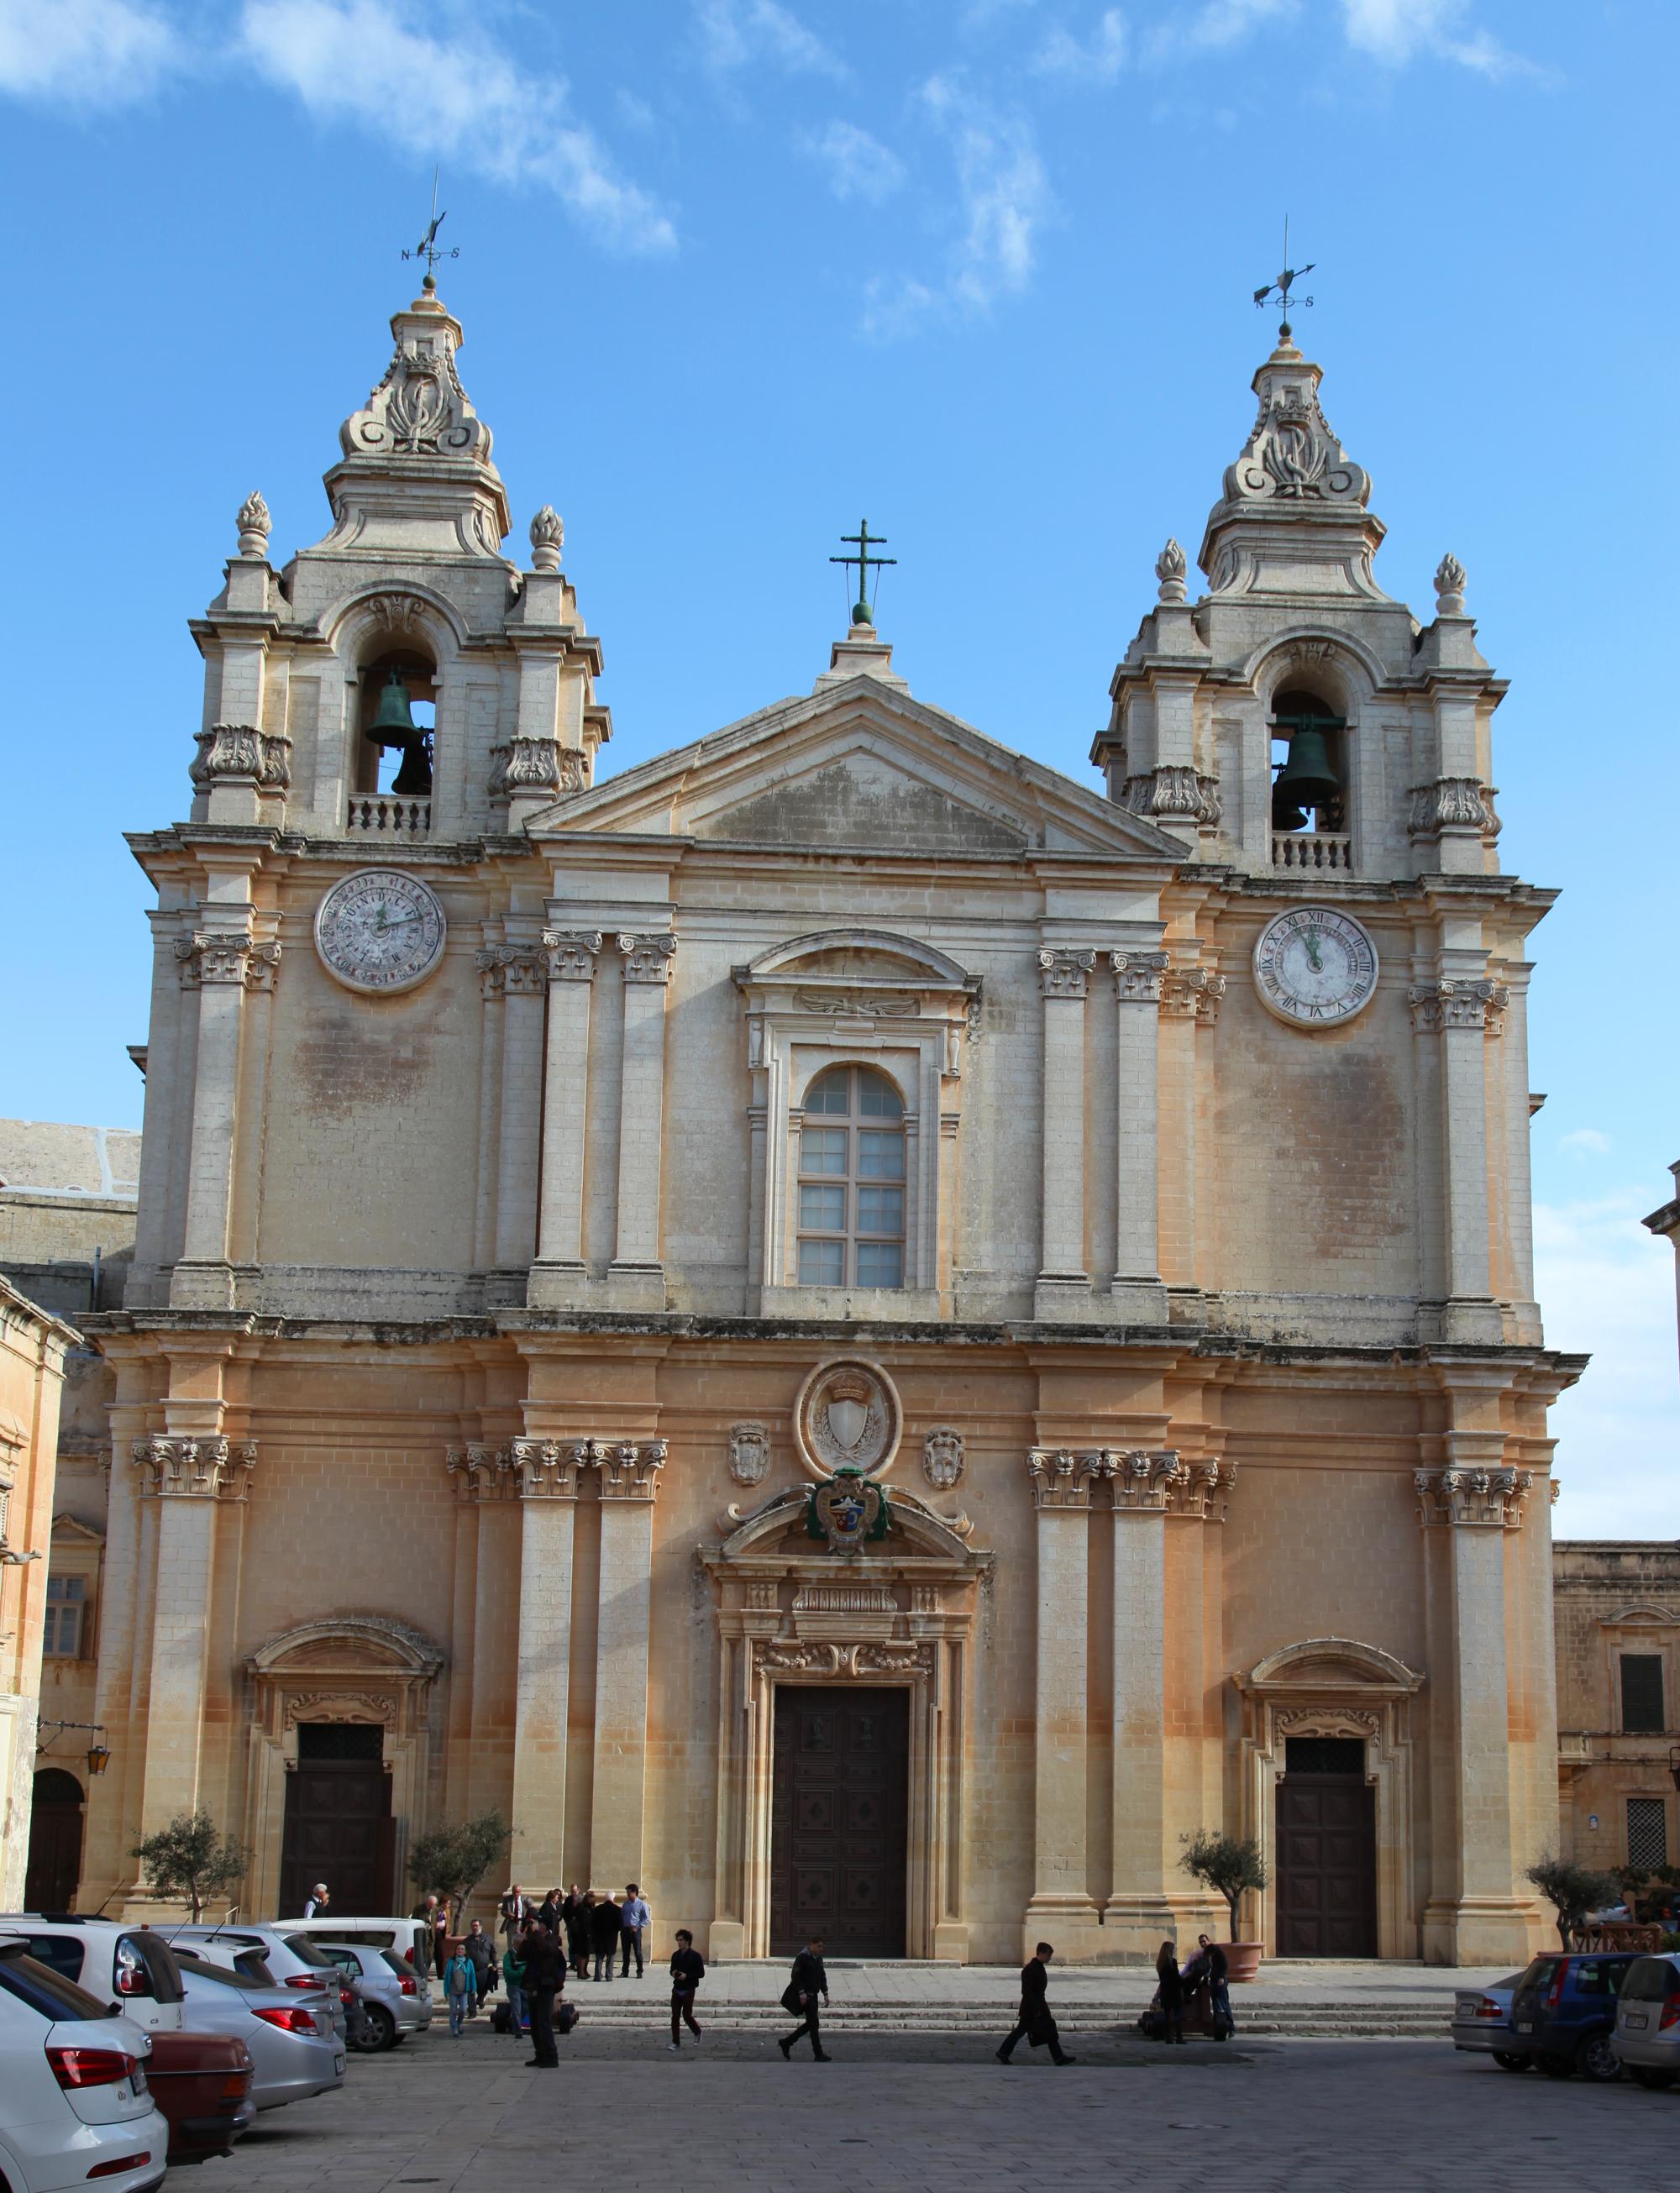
(1540, 1974)
(42, 1989)
(200, 1968)
(307, 1952)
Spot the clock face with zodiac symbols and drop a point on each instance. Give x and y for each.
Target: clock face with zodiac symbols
(1314, 967)
(379, 932)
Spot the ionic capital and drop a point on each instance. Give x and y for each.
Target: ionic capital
(1063, 973)
(195, 1469)
(512, 970)
(1061, 1479)
(227, 957)
(571, 953)
(1492, 1499)
(479, 1474)
(1454, 1005)
(1192, 993)
(1138, 977)
(629, 1468)
(647, 958)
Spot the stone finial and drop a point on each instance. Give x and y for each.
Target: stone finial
(548, 538)
(1449, 588)
(254, 524)
(1169, 570)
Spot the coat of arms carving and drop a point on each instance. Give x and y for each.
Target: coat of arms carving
(849, 1511)
(942, 1456)
(748, 1452)
(847, 1416)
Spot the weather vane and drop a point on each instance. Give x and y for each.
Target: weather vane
(1285, 283)
(428, 247)
(864, 541)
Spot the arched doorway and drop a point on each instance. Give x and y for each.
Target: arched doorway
(54, 1842)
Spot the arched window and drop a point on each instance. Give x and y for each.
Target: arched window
(398, 719)
(1308, 754)
(852, 1181)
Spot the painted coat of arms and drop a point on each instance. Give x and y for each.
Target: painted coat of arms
(849, 1510)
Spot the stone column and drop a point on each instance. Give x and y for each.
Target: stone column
(1064, 1284)
(1460, 1015)
(1062, 1909)
(1139, 1295)
(187, 1477)
(220, 967)
(1190, 1001)
(524, 973)
(545, 1474)
(629, 1480)
(637, 1274)
(1474, 1916)
(558, 1272)
(486, 1669)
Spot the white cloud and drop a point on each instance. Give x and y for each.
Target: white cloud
(1607, 1288)
(464, 101)
(858, 165)
(734, 33)
(1098, 60)
(1221, 23)
(1395, 31)
(1588, 1141)
(84, 52)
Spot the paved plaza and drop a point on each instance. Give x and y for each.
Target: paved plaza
(933, 2112)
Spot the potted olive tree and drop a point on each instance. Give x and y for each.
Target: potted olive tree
(1228, 1867)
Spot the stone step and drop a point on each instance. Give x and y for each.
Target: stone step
(1345, 2021)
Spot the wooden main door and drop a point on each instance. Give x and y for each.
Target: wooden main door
(53, 1865)
(338, 1825)
(839, 1815)
(1326, 1851)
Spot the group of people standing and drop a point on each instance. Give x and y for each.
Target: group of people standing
(598, 1931)
(585, 1932)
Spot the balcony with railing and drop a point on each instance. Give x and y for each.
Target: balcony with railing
(1312, 851)
(384, 813)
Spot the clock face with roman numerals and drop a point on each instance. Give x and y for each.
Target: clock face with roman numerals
(1315, 967)
(379, 932)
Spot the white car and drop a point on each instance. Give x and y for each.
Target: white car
(73, 2098)
(291, 2040)
(408, 1940)
(397, 2001)
(126, 1968)
(261, 1952)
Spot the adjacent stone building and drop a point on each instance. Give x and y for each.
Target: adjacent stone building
(567, 1203)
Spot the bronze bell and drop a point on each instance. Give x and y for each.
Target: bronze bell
(395, 725)
(1305, 780)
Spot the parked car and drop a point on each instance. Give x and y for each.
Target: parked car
(394, 1999)
(1647, 2038)
(262, 1953)
(128, 1968)
(297, 2051)
(411, 1939)
(74, 2099)
(1482, 2022)
(1563, 2014)
(202, 2084)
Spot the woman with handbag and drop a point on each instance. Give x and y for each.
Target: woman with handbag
(1172, 1995)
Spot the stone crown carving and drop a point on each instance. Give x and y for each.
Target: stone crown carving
(1292, 454)
(233, 957)
(420, 409)
(241, 753)
(847, 1415)
(195, 1469)
(254, 524)
(1492, 1499)
(548, 538)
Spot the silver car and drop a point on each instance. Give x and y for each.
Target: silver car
(1482, 2021)
(262, 1953)
(396, 2004)
(295, 2051)
(1647, 2038)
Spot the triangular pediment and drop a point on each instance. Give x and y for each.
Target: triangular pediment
(860, 764)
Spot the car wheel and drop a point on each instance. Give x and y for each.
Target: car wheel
(1557, 2067)
(1509, 2060)
(1597, 2059)
(1645, 2076)
(378, 2031)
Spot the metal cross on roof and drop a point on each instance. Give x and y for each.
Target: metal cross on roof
(428, 247)
(862, 540)
(1285, 284)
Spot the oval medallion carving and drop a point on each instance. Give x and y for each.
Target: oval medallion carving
(847, 1416)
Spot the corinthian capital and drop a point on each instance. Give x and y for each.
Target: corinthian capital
(629, 1468)
(1061, 1478)
(547, 1469)
(214, 1468)
(1492, 1499)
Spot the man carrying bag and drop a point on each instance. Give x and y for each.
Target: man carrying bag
(799, 1999)
(1033, 2022)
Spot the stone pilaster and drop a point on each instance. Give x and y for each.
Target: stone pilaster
(1190, 995)
(629, 1482)
(558, 1274)
(1139, 1295)
(1062, 1909)
(638, 1275)
(545, 1475)
(1460, 1014)
(220, 967)
(485, 1486)
(519, 972)
(1064, 1284)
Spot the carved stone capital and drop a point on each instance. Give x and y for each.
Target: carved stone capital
(571, 953)
(479, 1474)
(1452, 802)
(240, 753)
(537, 765)
(1063, 974)
(512, 970)
(547, 1470)
(1173, 791)
(1138, 977)
(647, 958)
(629, 1468)
(1454, 1005)
(195, 1469)
(1492, 1499)
(231, 958)
(1146, 1479)
(1062, 1479)
(1192, 993)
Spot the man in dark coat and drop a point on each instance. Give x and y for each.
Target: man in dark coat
(1218, 1983)
(604, 1928)
(810, 1979)
(545, 1976)
(1033, 2022)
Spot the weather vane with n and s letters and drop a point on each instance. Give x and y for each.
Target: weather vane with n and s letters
(1283, 289)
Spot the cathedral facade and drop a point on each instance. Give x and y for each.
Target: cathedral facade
(841, 1324)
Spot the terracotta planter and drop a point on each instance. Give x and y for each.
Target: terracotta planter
(1242, 1960)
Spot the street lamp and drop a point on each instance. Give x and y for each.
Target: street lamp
(99, 1758)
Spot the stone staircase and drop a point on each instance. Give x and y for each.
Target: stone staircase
(1346, 2020)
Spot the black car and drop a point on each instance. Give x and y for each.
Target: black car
(1564, 2013)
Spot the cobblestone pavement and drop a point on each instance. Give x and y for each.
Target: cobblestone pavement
(936, 2114)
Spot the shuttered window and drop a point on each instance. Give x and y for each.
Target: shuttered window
(1642, 1699)
(1646, 1830)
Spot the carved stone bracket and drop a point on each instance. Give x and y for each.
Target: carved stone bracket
(195, 1469)
(647, 958)
(1173, 791)
(541, 766)
(832, 1660)
(1453, 802)
(241, 753)
(629, 1468)
(1062, 974)
(1438, 1005)
(233, 958)
(1192, 993)
(1138, 977)
(513, 971)
(1494, 1498)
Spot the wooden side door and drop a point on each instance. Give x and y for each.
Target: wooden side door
(839, 1819)
(1326, 1866)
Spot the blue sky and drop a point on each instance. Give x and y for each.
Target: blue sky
(735, 272)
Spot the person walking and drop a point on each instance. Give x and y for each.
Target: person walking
(688, 1969)
(480, 1952)
(579, 1931)
(1033, 2022)
(545, 1976)
(514, 1978)
(808, 1980)
(632, 1915)
(315, 1903)
(459, 1990)
(605, 1923)
(1172, 1995)
(1218, 1984)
